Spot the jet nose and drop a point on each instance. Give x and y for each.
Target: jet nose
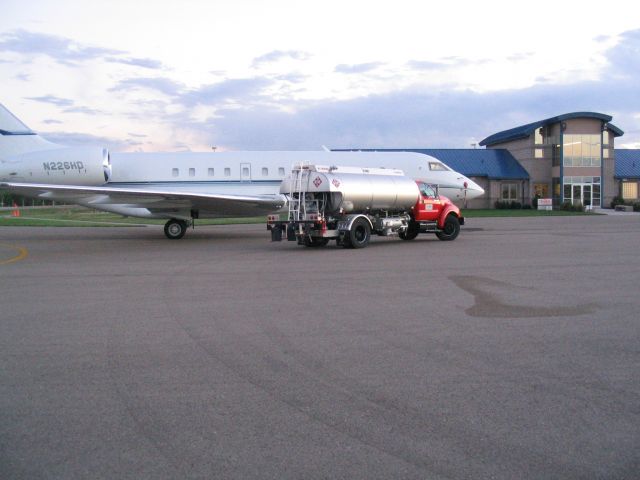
(473, 189)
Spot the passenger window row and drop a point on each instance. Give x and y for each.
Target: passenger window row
(211, 172)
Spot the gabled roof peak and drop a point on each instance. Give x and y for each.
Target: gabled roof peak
(525, 131)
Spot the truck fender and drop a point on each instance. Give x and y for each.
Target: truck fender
(345, 225)
(446, 212)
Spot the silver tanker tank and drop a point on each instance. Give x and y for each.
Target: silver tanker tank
(353, 189)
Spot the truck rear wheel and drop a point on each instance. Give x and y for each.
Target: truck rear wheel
(359, 235)
(450, 230)
(411, 232)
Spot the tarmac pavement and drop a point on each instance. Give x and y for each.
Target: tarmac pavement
(511, 352)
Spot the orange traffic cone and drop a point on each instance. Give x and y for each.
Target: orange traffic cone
(15, 212)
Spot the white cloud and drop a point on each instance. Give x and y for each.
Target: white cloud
(60, 49)
(278, 55)
(137, 62)
(53, 100)
(218, 72)
(158, 84)
(358, 68)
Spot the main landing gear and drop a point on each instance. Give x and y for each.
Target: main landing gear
(175, 229)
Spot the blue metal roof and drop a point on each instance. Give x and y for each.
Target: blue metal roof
(525, 131)
(495, 164)
(627, 163)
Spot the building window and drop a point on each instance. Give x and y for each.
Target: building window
(605, 153)
(605, 137)
(539, 153)
(211, 172)
(265, 171)
(175, 172)
(581, 151)
(555, 188)
(629, 190)
(509, 191)
(555, 155)
(595, 202)
(538, 137)
(541, 190)
(192, 172)
(245, 171)
(281, 171)
(227, 172)
(582, 180)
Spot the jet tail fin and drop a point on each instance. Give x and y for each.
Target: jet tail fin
(11, 125)
(17, 138)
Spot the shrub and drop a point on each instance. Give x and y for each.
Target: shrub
(505, 204)
(568, 206)
(526, 207)
(534, 202)
(617, 200)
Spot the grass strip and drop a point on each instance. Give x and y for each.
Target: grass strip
(81, 217)
(490, 212)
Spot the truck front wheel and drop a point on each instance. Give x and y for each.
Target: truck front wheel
(450, 230)
(359, 235)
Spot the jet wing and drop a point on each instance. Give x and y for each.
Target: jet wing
(153, 200)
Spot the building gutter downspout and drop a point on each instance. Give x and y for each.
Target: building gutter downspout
(602, 182)
(561, 163)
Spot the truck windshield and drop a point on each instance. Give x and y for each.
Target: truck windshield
(427, 190)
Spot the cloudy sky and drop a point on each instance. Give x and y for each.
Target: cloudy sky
(293, 74)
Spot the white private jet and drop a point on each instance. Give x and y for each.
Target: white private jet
(181, 187)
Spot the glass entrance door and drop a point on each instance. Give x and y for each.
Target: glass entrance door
(577, 195)
(585, 194)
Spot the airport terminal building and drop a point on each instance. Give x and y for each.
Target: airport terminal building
(569, 158)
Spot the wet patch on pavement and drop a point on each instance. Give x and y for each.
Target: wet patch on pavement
(492, 300)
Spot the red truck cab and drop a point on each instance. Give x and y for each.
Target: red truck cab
(433, 213)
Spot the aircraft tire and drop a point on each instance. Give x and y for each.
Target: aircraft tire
(175, 229)
(450, 230)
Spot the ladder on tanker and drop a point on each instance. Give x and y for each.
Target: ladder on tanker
(298, 190)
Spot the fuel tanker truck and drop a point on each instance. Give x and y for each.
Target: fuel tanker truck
(349, 204)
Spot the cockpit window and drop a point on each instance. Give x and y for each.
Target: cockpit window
(437, 166)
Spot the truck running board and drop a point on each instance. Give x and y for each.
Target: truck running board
(428, 227)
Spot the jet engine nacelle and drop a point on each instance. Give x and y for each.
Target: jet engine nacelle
(61, 166)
